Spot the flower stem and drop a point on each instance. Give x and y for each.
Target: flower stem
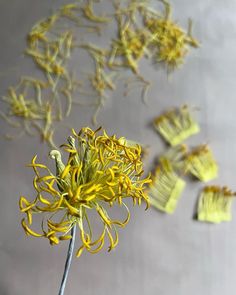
(68, 261)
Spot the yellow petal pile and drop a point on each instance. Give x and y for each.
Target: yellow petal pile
(36, 106)
(169, 39)
(101, 171)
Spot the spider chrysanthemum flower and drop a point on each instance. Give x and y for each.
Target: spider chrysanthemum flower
(176, 125)
(166, 188)
(101, 171)
(215, 204)
(201, 163)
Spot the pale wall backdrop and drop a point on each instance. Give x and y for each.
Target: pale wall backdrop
(157, 254)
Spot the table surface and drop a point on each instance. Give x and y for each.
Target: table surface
(157, 253)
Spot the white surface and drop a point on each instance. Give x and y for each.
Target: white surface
(157, 254)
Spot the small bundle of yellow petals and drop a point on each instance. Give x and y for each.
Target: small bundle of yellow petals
(215, 204)
(166, 187)
(201, 163)
(101, 171)
(176, 125)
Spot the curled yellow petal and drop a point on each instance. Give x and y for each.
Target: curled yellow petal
(29, 231)
(79, 251)
(101, 171)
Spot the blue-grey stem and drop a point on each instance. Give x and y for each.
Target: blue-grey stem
(68, 261)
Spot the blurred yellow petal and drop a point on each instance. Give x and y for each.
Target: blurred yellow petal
(79, 252)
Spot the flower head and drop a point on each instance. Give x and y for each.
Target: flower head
(101, 171)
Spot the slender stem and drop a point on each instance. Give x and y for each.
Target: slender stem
(68, 261)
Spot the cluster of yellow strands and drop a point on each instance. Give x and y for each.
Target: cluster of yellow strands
(215, 204)
(101, 171)
(39, 103)
(176, 125)
(158, 36)
(200, 162)
(52, 41)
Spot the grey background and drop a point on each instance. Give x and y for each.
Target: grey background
(157, 254)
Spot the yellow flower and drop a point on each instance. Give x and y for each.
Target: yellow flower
(100, 172)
